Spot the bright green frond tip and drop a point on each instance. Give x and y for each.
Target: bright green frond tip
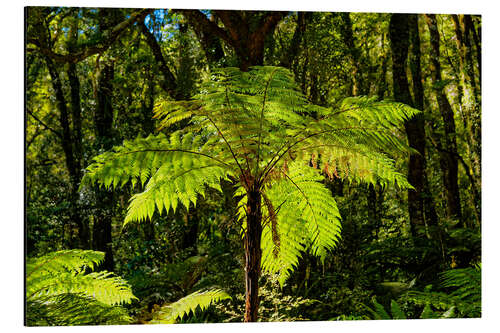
(169, 314)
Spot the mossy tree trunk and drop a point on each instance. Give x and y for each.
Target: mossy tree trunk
(449, 156)
(403, 28)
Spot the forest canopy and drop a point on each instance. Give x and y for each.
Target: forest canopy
(199, 166)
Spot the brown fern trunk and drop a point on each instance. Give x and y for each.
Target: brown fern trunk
(253, 254)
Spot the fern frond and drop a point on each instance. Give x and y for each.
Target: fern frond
(62, 261)
(307, 218)
(379, 312)
(396, 311)
(169, 314)
(466, 283)
(174, 170)
(167, 187)
(58, 288)
(73, 309)
(464, 298)
(141, 158)
(369, 111)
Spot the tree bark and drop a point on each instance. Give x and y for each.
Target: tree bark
(476, 36)
(450, 161)
(253, 255)
(70, 142)
(382, 80)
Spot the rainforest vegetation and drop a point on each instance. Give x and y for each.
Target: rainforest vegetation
(201, 166)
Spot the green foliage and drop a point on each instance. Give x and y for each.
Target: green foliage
(465, 281)
(60, 292)
(396, 312)
(169, 314)
(464, 298)
(258, 130)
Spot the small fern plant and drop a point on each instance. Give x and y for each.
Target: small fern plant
(59, 292)
(258, 131)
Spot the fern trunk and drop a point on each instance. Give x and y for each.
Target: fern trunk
(253, 254)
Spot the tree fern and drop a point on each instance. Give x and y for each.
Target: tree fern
(60, 292)
(257, 130)
(170, 313)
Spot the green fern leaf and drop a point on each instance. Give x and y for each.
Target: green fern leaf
(169, 314)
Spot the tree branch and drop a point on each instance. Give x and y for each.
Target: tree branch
(201, 23)
(268, 22)
(58, 134)
(169, 84)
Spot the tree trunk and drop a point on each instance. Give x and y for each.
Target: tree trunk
(190, 230)
(72, 163)
(399, 34)
(450, 160)
(354, 54)
(103, 122)
(470, 97)
(103, 119)
(382, 80)
(253, 254)
(476, 36)
(244, 31)
(77, 137)
(289, 58)
(102, 228)
(419, 134)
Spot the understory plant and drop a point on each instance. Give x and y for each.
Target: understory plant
(458, 295)
(258, 131)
